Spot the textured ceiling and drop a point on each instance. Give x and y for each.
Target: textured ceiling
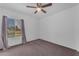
(21, 7)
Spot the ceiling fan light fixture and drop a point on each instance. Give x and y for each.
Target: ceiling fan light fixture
(38, 9)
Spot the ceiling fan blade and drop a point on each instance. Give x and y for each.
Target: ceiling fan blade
(31, 6)
(35, 12)
(43, 10)
(47, 5)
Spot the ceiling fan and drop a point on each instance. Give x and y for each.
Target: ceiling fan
(40, 7)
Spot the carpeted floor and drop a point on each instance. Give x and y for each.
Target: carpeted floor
(39, 48)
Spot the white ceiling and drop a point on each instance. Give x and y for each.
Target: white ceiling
(21, 7)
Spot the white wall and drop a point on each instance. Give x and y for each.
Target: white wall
(59, 28)
(76, 26)
(30, 23)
